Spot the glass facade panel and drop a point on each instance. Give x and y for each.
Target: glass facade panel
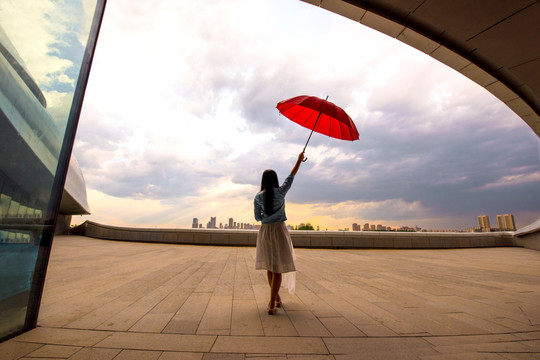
(43, 73)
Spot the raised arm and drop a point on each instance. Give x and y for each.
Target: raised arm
(298, 162)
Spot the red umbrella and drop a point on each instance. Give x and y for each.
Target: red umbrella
(319, 115)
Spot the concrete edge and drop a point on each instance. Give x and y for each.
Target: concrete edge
(303, 239)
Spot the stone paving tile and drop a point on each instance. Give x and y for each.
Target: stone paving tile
(171, 355)
(307, 324)
(532, 335)
(165, 342)
(288, 357)
(534, 345)
(401, 345)
(278, 324)
(310, 357)
(341, 327)
(70, 337)
(471, 339)
(13, 349)
(313, 302)
(245, 318)
(380, 355)
(217, 316)
(269, 345)
(465, 356)
(54, 351)
(482, 325)
(110, 300)
(124, 319)
(188, 317)
(138, 355)
(520, 356)
(223, 356)
(95, 354)
(492, 347)
(151, 322)
(357, 317)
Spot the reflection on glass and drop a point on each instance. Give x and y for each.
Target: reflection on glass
(41, 50)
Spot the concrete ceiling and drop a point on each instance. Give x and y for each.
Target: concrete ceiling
(495, 43)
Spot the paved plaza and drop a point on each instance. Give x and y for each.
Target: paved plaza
(120, 300)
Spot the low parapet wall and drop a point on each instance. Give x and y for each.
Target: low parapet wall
(302, 239)
(529, 236)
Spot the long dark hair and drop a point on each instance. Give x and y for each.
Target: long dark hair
(269, 181)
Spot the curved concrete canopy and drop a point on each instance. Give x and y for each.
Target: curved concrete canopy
(494, 43)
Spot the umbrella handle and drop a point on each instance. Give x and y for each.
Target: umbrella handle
(304, 151)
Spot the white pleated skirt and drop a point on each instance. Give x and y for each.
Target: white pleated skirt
(275, 252)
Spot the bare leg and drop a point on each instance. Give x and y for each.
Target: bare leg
(270, 276)
(274, 290)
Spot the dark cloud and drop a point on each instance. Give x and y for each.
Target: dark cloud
(444, 171)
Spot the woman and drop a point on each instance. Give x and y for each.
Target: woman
(275, 252)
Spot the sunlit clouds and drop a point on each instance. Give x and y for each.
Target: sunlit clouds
(180, 119)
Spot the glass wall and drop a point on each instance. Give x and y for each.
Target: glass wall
(46, 48)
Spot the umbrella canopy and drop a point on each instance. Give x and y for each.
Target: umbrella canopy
(319, 115)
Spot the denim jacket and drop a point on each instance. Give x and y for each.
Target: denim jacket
(279, 203)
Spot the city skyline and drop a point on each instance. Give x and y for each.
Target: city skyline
(505, 222)
(193, 135)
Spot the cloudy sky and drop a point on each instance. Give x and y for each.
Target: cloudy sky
(180, 120)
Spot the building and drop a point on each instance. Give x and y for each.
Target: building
(506, 222)
(483, 222)
(212, 223)
(41, 183)
(195, 224)
(231, 223)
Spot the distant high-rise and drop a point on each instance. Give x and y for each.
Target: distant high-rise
(501, 222)
(510, 222)
(366, 227)
(231, 223)
(212, 223)
(195, 224)
(483, 222)
(506, 222)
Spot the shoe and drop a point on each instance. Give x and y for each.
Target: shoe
(272, 311)
(278, 303)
